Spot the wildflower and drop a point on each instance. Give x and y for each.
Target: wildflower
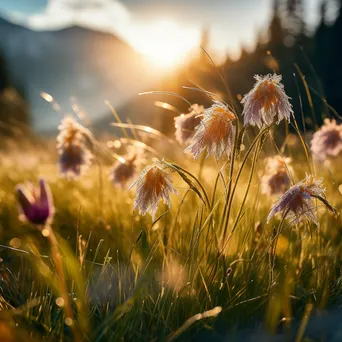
(276, 178)
(327, 141)
(215, 133)
(73, 147)
(153, 184)
(185, 124)
(124, 169)
(297, 202)
(266, 102)
(36, 203)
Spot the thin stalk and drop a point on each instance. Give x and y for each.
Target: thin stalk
(255, 158)
(333, 110)
(308, 94)
(231, 195)
(220, 74)
(274, 248)
(57, 258)
(319, 83)
(231, 171)
(175, 167)
(117, 118)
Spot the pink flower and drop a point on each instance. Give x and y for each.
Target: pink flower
(216, 132)
(327, 141)
(185, 124)
(73, 144)
(266, 102)
(297, 202)
(36, 203)
(153, 184)
(276, 178)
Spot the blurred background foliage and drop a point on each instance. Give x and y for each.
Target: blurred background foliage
(285, 47)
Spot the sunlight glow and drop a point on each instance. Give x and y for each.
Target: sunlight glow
(165, 43)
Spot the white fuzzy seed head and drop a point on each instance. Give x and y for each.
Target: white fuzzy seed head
(267, 102)
(215, 134)
(153, 184)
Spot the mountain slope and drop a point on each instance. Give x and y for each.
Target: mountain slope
(74, 62)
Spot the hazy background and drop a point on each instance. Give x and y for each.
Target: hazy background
(82, 53)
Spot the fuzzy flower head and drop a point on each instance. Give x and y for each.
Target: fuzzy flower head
(185, 124)
(216, 132)
(73, 142)
(297, 202)
(35, 203)
(123, 171)
(327, 141)
(276, 179)
(266, 102)
(153, 184)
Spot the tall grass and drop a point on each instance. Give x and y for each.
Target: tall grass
(203, 268)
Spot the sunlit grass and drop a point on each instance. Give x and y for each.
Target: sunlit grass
(208, 265)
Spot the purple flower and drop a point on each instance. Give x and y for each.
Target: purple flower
(123, 171)
(35, 202)
(297, 202)
(73, 143)
(186, 124)
(327, 141)
(276, 179)
(73, 160)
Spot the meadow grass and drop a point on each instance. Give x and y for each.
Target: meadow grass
(208, 265)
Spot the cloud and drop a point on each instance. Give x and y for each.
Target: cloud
(105, 15)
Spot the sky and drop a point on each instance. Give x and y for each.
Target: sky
(148, 24)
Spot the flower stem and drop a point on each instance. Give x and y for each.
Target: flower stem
(274, 248)
(231, 193)
(57, 258)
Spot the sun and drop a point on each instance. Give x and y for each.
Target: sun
(165, 43)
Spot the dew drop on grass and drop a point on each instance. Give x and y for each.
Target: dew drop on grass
(68, 321)
(45, 232)
(15, 243)
(60, 302)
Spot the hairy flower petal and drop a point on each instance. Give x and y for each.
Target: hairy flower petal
(327, 141)
(276, 179)
(36, 203)
(266, 102)
(153, 184)
(297, 202)
(185, 124)
(215, 134)
(73, 147)
(121, 173)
